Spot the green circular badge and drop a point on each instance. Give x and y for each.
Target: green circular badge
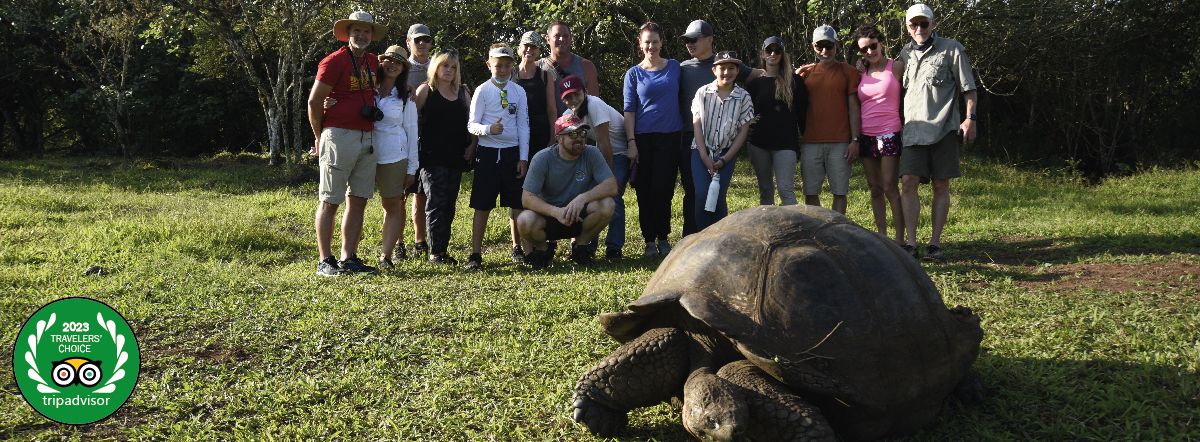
(76, 361)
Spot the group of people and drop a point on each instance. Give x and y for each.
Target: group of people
(541, 141)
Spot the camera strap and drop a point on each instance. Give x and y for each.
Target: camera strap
(370, 78)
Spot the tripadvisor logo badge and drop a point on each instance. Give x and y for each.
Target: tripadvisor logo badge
(76, 361)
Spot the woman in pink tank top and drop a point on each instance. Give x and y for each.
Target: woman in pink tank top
(880, 142)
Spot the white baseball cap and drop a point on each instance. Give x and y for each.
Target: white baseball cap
(918, 10)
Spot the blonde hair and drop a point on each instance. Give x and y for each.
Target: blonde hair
(783, 78)
(436, 64)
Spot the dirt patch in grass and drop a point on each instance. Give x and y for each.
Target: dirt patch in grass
(1108, 277)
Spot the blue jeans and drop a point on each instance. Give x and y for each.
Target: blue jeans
(616, 228)
(701, 180)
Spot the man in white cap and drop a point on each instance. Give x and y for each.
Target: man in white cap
(568, 193)
(343, 139)
(420, 43)
(561, 62)
(831, 123)
(694, 73)
(936, 73)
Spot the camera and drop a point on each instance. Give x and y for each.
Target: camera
(371, 113)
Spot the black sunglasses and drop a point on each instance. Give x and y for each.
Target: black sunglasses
(823, 45)
(423, 40)
(922, 25)
(690, 40)
(773, 50)
(870, 47)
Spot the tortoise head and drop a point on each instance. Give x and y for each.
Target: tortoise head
(713, 409)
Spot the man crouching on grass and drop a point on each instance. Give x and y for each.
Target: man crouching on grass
(568, 193)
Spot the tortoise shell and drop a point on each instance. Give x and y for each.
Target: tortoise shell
(843, 316)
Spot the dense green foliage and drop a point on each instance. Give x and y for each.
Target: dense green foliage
(1102, 86)
(1088, 296)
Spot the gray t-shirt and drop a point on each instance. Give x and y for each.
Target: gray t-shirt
(558, 181)
(418, 75)
(695, 73)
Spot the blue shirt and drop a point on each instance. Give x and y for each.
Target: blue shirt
(653, 97)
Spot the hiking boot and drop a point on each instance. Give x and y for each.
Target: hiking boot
(420, 249)
(911, 251)
(474, 261)
(354, 265)
(442, 258)
(400, 253)
(612, 253)
(518, 255)
(933, 253)
(583, 254)
(538, 259)
(385, 263)
(328, 267)
(664, 247)
(651, 250)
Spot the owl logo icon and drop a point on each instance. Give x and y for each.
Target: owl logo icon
(76, 370)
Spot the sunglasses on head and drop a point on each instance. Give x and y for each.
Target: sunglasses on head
(823, 45)
(922, 25)
(870, 47)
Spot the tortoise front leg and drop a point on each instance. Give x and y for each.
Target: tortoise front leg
(642, 372)
(776, 414)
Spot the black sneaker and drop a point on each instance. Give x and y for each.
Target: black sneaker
(473, 262)
(420, 249)
(354, 265)
(538, 259)
(400, 253)
(442, 258)
(583, 255)
(518, 255)
(328, 267)
(912, 251)
(933, 253)
(612, 253)
(553, 247)
(385, 263)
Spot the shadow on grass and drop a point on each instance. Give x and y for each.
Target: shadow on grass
(236, 176)
(1031, 251)
(1032, 398)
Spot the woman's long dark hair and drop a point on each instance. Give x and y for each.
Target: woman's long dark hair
(401, 83)
(867, 31)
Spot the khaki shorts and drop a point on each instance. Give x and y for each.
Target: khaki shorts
(818, 160)
(937, 161)
(389, 178)
(347, 165)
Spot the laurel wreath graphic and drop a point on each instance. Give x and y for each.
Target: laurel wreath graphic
(119, 339)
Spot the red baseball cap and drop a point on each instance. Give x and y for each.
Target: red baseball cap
(569, 84)
(567, 124)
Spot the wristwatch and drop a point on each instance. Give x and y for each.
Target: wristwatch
(972, 116)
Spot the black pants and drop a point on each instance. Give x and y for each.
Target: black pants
(685, 179)
(658, 162)
(441, 186)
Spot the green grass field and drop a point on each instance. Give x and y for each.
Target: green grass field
(1089, 296)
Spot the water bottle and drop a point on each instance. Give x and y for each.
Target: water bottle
(714, 192)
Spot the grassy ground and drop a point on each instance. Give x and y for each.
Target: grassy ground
(1089, 297)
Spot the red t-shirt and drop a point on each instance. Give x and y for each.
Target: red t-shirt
(351, 91)
(828, 111)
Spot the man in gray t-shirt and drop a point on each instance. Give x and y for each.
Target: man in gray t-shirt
(568, 193)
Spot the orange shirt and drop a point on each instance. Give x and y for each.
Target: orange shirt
(828, 119)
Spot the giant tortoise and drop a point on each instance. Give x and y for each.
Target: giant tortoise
(784, 323)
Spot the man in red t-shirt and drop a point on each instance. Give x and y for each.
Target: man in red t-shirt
(343, 139)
